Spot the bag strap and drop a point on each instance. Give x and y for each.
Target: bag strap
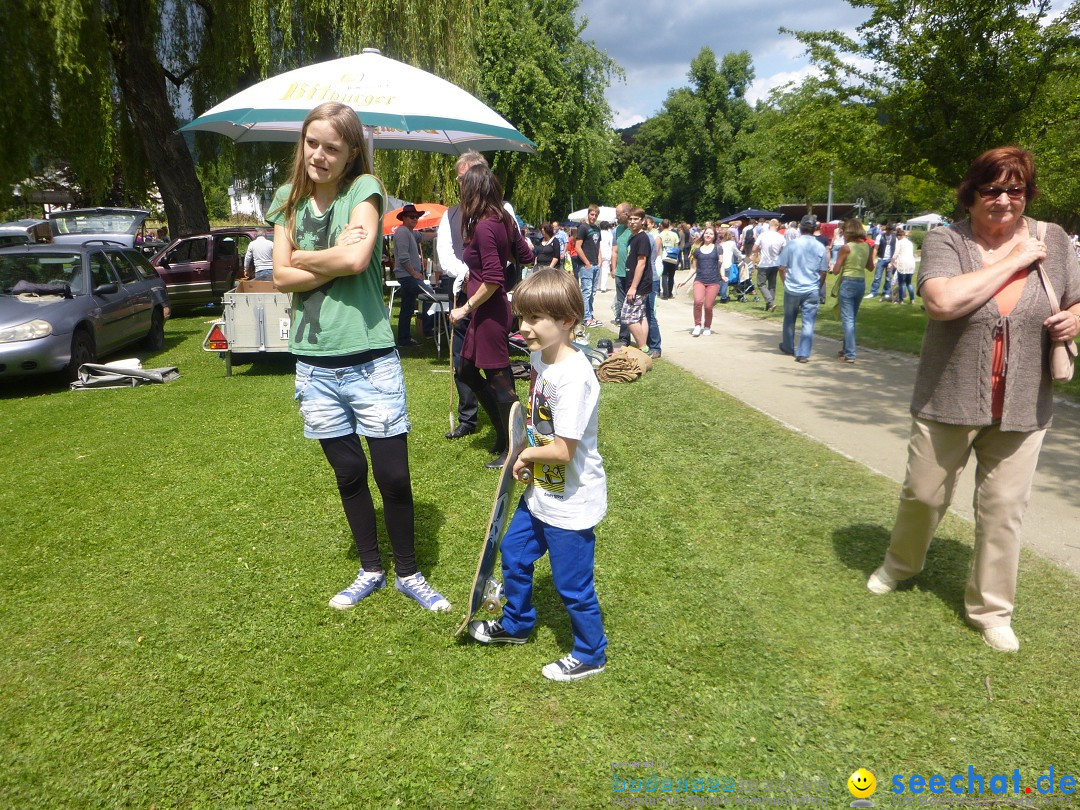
(1055, 307)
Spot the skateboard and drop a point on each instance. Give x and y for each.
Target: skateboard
(486, 592)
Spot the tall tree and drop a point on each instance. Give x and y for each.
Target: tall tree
(950, 78)
(687, 149)
(98, 69)
(537, 72)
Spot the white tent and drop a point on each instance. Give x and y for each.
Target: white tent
(927, 221)
(607, 214)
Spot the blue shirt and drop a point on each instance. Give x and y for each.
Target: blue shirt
(805, 259)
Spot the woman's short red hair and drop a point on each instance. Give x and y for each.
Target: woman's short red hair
(1010, 162)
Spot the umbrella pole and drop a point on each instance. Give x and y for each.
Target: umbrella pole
(453, 382)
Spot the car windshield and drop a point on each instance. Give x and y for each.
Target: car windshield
(97, 221)
(40, 268)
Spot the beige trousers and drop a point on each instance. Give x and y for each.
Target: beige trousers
(1005, 465)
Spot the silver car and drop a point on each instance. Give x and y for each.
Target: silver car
(65, 305)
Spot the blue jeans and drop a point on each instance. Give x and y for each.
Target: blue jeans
(852, 291)
(653, 342)
(794, 304)
(590, 279)
(879, 271)
(571, 554)
(903, 282)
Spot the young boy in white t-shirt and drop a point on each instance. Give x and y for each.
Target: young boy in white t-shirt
(567, 496)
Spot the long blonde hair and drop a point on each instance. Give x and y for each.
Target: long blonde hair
(345, 122)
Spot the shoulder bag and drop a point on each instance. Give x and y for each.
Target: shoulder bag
(1062, 352)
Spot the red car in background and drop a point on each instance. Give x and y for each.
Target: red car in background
(199, 269)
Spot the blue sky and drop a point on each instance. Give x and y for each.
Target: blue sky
(655, 47)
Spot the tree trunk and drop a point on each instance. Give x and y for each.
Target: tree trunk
(142, 87)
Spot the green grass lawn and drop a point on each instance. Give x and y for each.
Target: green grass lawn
(168, 553)
(879, 325)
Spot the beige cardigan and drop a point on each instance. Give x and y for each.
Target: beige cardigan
(953, 381)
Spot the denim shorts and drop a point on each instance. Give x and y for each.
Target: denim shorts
(368, 399)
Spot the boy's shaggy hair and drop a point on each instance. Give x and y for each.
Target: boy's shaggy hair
(549, 293)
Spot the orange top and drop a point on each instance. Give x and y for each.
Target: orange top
(1006, 297)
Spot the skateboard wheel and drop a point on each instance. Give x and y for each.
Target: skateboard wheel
(526, 476)
(492, 604)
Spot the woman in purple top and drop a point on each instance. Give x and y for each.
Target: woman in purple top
(490, 237)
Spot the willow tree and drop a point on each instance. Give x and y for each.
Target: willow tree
(104, 84)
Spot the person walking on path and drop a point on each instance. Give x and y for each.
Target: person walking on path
(803, 264)
(491, 238)
(669, 241)
(884, 249)
(349, 381)
(903, 262)
(729, 263)
(766, 256)
(706, 274)
(983, 382)
(587, 246)
(853, 260)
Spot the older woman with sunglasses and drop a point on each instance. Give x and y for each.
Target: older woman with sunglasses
(983, 382)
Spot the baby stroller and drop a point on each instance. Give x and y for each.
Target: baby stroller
(739, 279)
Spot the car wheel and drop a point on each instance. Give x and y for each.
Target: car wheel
(82, 351)
(155, 338)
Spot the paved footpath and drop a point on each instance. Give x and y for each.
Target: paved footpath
(861, 410)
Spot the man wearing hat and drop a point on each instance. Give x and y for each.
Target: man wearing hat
(409, 273)
(803, 264)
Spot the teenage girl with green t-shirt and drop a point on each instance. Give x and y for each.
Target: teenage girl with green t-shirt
(349, 382)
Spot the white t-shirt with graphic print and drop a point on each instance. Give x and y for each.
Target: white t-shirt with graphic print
(564, 400)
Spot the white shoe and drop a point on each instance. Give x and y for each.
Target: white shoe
(871, 295)
(881, 583)
(1002, 639)
(706, 331)
(695, 332)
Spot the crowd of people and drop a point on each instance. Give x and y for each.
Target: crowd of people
(983, 384)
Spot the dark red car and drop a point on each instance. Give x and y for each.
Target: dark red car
(199, 269)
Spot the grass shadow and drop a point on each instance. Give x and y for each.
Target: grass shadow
(862, 546)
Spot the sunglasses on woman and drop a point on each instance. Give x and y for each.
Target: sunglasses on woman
(993, 192)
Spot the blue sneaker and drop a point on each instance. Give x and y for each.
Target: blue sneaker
(365, 585)
(417, 588)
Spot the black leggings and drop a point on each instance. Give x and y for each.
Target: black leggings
(390, 465)
(496, 393)
(497, 384)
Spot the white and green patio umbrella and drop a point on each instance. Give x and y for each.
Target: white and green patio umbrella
(400, 106)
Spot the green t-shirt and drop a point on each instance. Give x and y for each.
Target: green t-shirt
(346, 315)
(622, 239)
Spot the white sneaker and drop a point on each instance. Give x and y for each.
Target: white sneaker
(695, 332)
(1002, 639)
(881, 583)
(706, 331)
(871, 295)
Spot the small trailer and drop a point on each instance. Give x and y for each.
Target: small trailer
(255, 319)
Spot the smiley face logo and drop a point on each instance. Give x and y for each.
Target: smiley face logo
(862, 784)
